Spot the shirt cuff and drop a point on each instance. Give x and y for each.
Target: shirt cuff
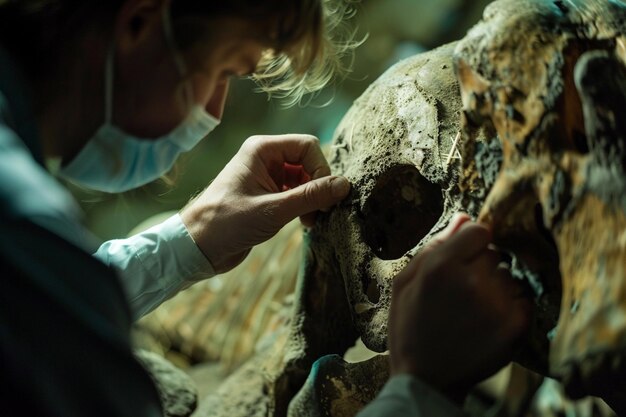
(156, 264)
(186, 258)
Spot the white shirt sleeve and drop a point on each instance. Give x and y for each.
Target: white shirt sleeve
(405, 395)
(156, 264)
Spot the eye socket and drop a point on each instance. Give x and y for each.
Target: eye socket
(402, 208)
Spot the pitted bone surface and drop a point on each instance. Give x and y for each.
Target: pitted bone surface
(393, 145)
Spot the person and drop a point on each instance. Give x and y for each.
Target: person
(107, 94)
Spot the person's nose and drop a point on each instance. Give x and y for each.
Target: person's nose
(215, 106)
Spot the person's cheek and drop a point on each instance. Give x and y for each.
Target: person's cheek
(217, 100)
(203, 86)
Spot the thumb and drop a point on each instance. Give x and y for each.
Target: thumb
(311, 196)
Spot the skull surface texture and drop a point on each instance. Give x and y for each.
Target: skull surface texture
(395, 145)
(548, 78)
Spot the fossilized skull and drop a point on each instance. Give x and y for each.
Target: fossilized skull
(547, 78)
(396, 147)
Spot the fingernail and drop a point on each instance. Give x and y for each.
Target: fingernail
(340, 187)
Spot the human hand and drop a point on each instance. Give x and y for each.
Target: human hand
(268, 183)
(456, 314)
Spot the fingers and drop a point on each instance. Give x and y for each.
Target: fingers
(507, 295)
(520, 305)
(309, 197)
(485, 263)
(469, 241)
(407, 274)
(458, 219)
(293, 176)
(432, 250)
(293, 149)
(290, 176)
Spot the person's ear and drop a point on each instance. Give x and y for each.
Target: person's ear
(138, 22)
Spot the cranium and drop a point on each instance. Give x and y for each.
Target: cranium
(396, 147)
(548, 79)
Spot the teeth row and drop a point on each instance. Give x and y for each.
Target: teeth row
(595, 374)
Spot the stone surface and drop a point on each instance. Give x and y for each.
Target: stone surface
(178, 392)
(336, 388)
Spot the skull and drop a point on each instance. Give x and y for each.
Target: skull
(396, 147)
(548, 79)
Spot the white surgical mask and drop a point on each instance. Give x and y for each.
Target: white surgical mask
(115, 161)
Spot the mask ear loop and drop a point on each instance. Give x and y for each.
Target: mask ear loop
(178, 59)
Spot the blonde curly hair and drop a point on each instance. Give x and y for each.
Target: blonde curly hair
(322, 51)
(312, 41)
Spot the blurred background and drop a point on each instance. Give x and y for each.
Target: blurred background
(394, 29)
